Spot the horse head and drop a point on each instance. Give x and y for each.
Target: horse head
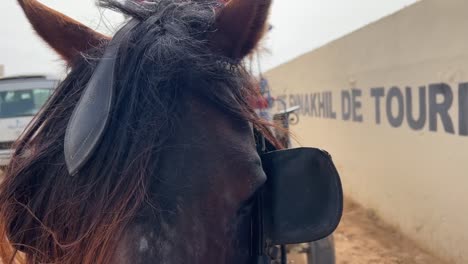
(172, 177)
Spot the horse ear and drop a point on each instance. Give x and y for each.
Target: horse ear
(65, 35)
(240, 26)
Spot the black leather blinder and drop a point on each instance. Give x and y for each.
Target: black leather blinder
(91, 116)
(301, 201)
(302, 198)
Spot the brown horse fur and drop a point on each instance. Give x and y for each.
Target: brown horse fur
(173, 178)
(241, 25)
(65, 35)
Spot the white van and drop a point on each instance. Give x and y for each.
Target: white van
(21, 97)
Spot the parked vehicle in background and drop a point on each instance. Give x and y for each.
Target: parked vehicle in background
(21, 97)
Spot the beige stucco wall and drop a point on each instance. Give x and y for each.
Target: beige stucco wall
(416, 179)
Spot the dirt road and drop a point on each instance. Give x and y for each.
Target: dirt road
(362, 238)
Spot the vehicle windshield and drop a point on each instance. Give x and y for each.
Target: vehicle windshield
(22, 102)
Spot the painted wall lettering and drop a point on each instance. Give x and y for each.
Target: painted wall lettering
(416, 123)
(357, 117)
(319, 105)
(377, 93)
(427, 107)
(395, 114)
(440, 109)
(346, 105)
(463, 108)
(351, 105)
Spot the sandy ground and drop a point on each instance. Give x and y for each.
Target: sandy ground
(362, 238)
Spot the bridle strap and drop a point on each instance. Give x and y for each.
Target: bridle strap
(258, 241)
(260, 249)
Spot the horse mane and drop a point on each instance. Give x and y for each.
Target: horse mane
(49, 216)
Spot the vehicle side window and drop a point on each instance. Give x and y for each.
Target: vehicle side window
(40, 97)
(22, 102)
